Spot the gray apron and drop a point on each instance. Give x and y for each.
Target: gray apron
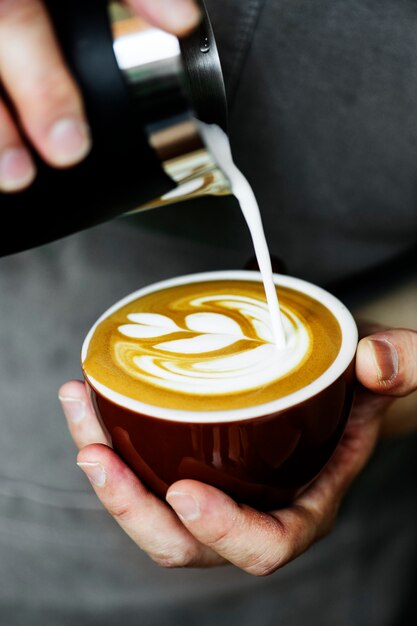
(323, 101)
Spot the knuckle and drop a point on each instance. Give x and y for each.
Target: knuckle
(296, 535)
(281, 549)
(315, 524)
(54, 90)
(221, 530)
(121, 511)
(288, 551)
(175, 560)
(262, 566)
(218, 536)
(294, 539)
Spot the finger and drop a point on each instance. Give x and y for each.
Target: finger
(386, 362)
(176, 16)
(17, 169)
(324, 496)
(81, 418)
(151, 524)
(258, 543)
(45, 95)
(261, 543)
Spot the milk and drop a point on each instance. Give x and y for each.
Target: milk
(218, 143)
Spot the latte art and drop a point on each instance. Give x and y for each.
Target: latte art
(210, 346)
(212, 352)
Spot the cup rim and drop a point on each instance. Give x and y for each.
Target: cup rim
(334, 371)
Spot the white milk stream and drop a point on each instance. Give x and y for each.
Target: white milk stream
(218, 143)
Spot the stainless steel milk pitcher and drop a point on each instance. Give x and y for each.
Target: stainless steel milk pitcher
(143, 90)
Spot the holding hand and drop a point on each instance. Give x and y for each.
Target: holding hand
(203, 526)
(47, 101)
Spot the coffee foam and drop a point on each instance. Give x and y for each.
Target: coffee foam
(216, 361)
(211, 353)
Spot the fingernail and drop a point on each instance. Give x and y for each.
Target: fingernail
(95, 473)
(180, 15)
(69, 141)
(186, 506)
(386, 359)
(16, 169)
(74, 409)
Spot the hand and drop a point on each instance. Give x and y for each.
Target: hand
(46, 99)
(203, 526)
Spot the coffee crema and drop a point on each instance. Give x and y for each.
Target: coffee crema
(208, 346)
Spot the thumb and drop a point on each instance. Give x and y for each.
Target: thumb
(386, 362)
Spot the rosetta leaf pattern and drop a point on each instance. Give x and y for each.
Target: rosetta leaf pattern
(211, 332)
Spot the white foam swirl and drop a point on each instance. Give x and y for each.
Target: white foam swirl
(190, 363)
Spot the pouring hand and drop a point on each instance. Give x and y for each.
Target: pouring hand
(205, 527)
(41, 93)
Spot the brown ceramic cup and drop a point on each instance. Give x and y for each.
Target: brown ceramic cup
(264, 455)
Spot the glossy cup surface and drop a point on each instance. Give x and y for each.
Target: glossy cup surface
(264, 455)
